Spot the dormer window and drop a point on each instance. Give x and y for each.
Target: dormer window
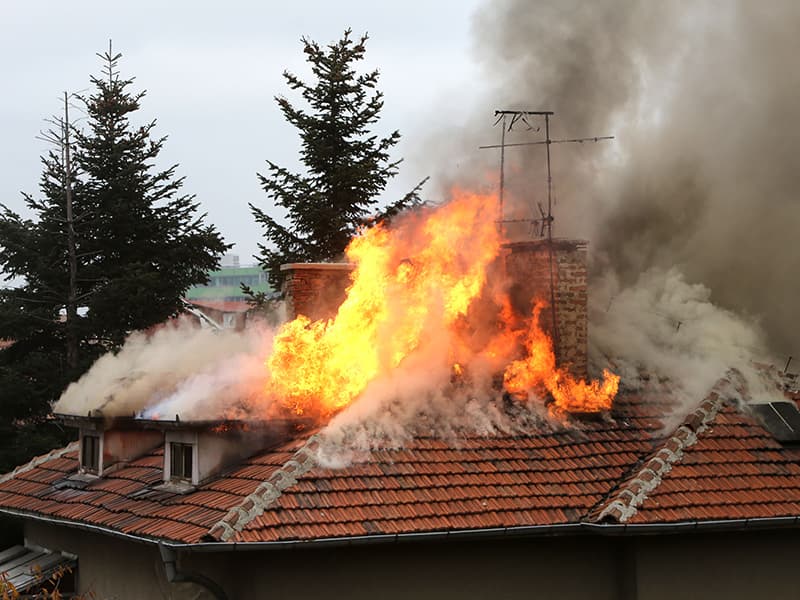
(181, 465)
(90, 453)
(181, 460)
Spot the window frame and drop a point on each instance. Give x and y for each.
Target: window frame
(184, 463)
(183, 439)
(96, 465)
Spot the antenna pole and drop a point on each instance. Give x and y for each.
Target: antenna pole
(546, 220)
(72, 307)
(500, 224)
(556, 345)
(549, 179)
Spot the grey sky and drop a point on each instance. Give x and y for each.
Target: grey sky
(678, 183)
(211, 70)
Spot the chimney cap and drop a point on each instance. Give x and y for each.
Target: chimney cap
(558, 243)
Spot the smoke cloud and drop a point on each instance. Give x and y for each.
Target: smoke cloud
(703, 176)
(664, 328)
(180, 369)
(691, 213)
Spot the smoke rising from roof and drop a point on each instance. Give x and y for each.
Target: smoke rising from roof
(703, 175)
(691, 211)
(179, 369)
(664, 335)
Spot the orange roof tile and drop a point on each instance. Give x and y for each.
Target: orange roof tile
(718, 464)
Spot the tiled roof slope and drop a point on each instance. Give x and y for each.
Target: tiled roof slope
(474, 482)
(721, 465)
(125, 500)
(735, 470)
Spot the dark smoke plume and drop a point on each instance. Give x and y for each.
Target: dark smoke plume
(704, 176)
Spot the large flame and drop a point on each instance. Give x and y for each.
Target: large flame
(538, 370)
(422, 275)
(431, 267)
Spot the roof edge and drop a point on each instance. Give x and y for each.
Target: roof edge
(318, 266)
(624, 503)
(521, 531)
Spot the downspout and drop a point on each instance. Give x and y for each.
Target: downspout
(170, 558)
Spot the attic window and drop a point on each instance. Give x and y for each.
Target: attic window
(181, 460)
(90, 452)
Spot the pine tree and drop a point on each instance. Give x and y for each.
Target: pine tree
(347, 167)
(45, 354)
(117, 257)
(152, 244)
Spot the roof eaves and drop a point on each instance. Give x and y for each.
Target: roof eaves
(612, 529)
(267, 492)
(623, 504)
(552, 530)
(75, 524)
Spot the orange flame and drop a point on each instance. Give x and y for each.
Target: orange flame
(430, 268)
(418, 279)
(538, 369)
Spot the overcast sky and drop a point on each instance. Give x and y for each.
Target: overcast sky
(211, 70)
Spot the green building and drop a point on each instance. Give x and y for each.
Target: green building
(225, 284)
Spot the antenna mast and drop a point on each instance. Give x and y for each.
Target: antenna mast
(508, 118)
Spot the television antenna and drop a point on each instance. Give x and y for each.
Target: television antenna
(507, 119)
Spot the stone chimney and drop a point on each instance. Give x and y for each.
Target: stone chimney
(528, 268)
(315, 289)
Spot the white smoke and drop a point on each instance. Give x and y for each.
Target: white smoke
(180, 369)
(423, 398)
(663, 327)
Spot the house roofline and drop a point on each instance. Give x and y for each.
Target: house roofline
(523, 531)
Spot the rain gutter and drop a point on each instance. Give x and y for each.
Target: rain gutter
(582, 528)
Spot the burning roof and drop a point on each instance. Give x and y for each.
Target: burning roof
(719, 464)
(428, 297)
(445, 393)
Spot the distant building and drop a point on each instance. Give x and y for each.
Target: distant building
(229, 260)
(220, 314)
(225, 284)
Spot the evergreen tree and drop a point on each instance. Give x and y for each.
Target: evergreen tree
(151, 244)
(37, 366)
(346, 166)
(136, 246)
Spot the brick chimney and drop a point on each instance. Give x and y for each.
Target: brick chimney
(315, 289)
(528, 268)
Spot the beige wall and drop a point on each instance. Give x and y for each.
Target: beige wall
(111, 568)
(725, 565)
(545, 568)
